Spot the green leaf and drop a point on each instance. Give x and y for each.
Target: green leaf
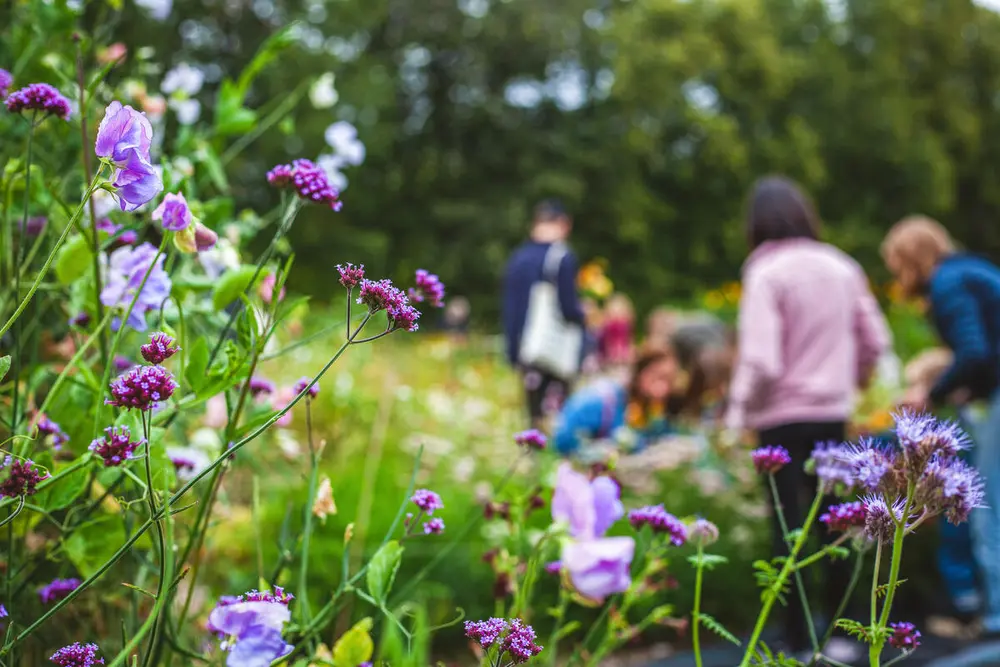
(64, 492)
(89, 547)
(164, 472)
(717, 628)
(230, 115)
(73, 260)
(197, 364)
(853, 628)
(231, 285)
(382, 570)
(881, 590)
(4, 366)
(708, 561)
(354, 646)
(567, 629)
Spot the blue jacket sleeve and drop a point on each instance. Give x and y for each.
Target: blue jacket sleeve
(569, 301)
(582, 416)
(960, 319)
(508, 308)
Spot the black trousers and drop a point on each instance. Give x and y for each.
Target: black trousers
(538, 386)
(796, 490)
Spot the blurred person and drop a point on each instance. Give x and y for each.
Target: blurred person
(810, 333)
(550, 230)
(660, 326)
(705, 349)
(593, 320)
(456, 317)
(962, 292)
(642, 404)
(617, 331)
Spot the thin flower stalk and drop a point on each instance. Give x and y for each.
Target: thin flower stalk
(796, 572)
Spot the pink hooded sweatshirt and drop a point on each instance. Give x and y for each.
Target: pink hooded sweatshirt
(810, 333)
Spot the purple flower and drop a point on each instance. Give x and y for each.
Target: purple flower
(872, 465)
(77, 655)
(555, 567)
(599, 567)
(81, 319)
(844, 517)
(159, 348)
(881, 518)
(380, 295)
(6, 80)
(532, 439)
(260, 386)
(770, 459)
(350, 275)
(204, 238)
(142, 387)
(173, 212)
(703, 533)
(428, 288)
(22, 478)
(48, 428)
(434, 527)
(122, 363)
(116, 446)
(304, 382)
(519, 643)
(427, 501)
(123, 139)
(403, 317)
(3, 612)
(277, 595)
(950, 486)
(486, 633)
(266, 289)
(57, 590)
(588, 508)
(188, 461)
(831, 465)
(39, 97)
(125, 269)
(309, 181)
(252, 630)
(34, 225)
(661, 521)
(905, 636)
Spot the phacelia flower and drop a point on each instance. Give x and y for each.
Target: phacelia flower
(427, 501)
(519, 643)
(125, 269)
(57, 590)
(532, 439)
(661, 521)
(302, 383)
(599, 567)
(844, 517)
(50, 429)
(831, 465)
(22, 478)
(350, 275)
(380, 295)
(428, 288)
(588, 508)
(770, 459)
(251, 630)
(159, 348)
(486, 633)
(873, 466)
(116, 446)
(703, 533)
(905, 636)
(260, 386)
(403, 317)
(309, 181)
(39, 97)
(879, 523)
(77, 655)
(142, 387)
(950, 486)
(266, 289)
(6, 80)
(173, 212)
(434, 527)
(123, 139)
(922, 437)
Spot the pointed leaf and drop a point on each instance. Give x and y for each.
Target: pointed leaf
(382, 570)
(355, 646)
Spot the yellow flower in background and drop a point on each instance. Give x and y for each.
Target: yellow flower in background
(881, 421)
(732, 292)
(894, 291)
(593, 280)
(714, 300)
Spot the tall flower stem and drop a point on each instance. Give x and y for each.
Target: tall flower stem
(307, 530)
(160, 537)
(771, 596)
(859, 563)
(799, 585)
(696, 610)
(878, 639)
(552, 647)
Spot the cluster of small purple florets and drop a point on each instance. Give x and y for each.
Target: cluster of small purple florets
(116, 446)
(260, 386)
(277, 595)
(531, 439)
(770, 459)
(77, 655)
(383, 295)
(159, 348)
(22, 477)
(513, 637)
(6, 81)
(39, 97)
(427, 501)
(309, 181)
(905, 636)
(304, 382)
(48, 428)
(142, 387)
(57, 590)
(844, 517)
(661, 521)
(428, 288)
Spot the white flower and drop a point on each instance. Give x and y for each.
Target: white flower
(322, 94)
(158, 9)
(331, 164)
(183, 79)
(343, 139)
(188, 111)
(219, 259)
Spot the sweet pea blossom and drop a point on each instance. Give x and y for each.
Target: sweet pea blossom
(589, 508)
(6, 80)
(251, 626)
(123, 139)
(124, 272)
(173, 212)
(600, 567)
(195, 238)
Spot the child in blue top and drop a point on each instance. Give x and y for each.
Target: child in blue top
(600, 410)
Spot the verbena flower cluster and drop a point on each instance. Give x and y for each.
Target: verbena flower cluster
(301, 385)
(845, 517)
(514, 638)
(429, 289)
(159, 348)
(77, 655)
(308, 180)
(142, 387)
(40, 98)
(351, 275)
(531, 439)
(770, 459)
(22, 477)
(905, 636)
(661, 521)
(380, 295)
(57, 589)
(260, 386)
(427, 501)
(51, 430)
(116, 446)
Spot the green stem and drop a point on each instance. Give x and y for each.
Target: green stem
(160, 538)
(799, 585)
(552, 648)
(859, 563)
(696, 613)
(875, 577)
(821, 554)
(49, 481)
(878, 640)
(771, 596)
(307, 531)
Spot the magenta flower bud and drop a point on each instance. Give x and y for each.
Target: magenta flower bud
(427, 500)
(159, 348)
(204, 238)
(844, 517)
(173, 212)
(116, 446)
(350, 275)
(532, 439)
(302, 383)
(57, 590)
(905, 636)
(770, 459)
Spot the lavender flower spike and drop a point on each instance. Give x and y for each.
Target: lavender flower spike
(123, 140)
(77, 655)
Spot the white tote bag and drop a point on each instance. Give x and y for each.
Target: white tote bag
(548, 341)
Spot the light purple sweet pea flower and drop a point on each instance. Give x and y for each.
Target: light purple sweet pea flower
(124, 271)
(124, 138)
(589, 508)
(254, 632)
(599, 567)
(173, 212)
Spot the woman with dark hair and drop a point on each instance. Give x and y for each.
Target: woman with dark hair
(598, 411)
(810, 333)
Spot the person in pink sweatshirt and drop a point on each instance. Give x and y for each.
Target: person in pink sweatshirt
(810, 333)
